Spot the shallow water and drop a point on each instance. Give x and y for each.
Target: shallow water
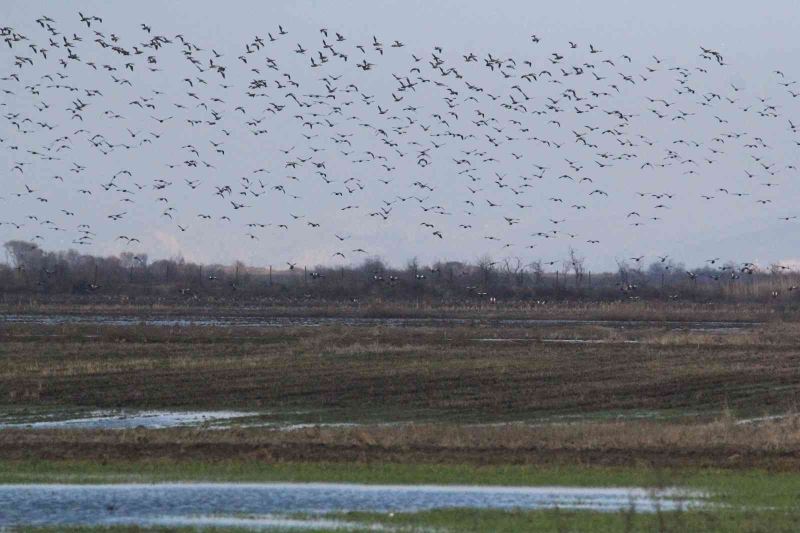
(174, 502)
(589, 341)
(759, 419)
(245, 321)
(560, 341)
(131, 419)
(267, 522)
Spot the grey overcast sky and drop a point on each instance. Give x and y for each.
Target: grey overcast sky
(445, 157)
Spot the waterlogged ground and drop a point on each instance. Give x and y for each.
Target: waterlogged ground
(278, 403)
(120, 419)
(553, 499)
(190, 502)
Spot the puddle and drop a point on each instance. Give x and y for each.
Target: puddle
(758, 419)
(504, 340)
(253, 523)
(43, 504)
(562, 341)
(321, 425)
(132, 419)
(588, 341)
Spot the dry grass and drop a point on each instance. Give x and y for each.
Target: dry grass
(720, 443)
(574, 310)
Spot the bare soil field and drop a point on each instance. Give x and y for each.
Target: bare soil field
(474, 374)
(611, 394)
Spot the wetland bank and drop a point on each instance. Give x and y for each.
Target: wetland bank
(699, 398)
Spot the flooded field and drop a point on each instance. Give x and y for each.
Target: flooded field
(210, 503)
(386, 424)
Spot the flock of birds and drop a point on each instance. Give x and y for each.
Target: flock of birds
(357, 136)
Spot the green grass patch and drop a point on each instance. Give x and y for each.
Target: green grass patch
(547, 521)
(562, 521)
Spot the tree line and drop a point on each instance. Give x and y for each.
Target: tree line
(30, 270)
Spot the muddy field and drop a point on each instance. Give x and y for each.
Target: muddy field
(384, 391)
(476, 373)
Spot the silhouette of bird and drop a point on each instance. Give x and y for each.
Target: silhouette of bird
(386, 136)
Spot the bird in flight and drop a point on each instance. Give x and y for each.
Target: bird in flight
(387, 136)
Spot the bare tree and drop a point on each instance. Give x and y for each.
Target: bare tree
(538, 272)
(577, 267)
(486, 268)
(514, 270)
